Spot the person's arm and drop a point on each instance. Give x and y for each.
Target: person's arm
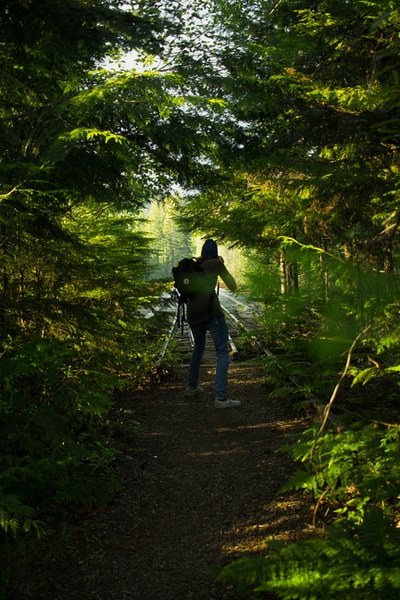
(227, 278)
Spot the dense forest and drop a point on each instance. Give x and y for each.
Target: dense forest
(272, 126)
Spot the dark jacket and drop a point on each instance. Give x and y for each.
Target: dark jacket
(205, 306)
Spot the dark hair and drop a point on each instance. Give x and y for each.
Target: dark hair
(209, 249)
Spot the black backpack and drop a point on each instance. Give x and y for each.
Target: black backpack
(188, 281)
(188, 278)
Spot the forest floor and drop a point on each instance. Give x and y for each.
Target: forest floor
(200, 490)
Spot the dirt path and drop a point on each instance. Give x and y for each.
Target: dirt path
(200, 490)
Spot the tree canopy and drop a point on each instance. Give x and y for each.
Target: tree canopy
(312, 95)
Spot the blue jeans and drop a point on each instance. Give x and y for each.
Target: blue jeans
(219, 333)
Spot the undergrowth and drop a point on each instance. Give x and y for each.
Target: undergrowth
(59, 440)
(345, 374)
(356, 562)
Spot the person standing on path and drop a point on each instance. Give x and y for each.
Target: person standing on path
(204, 313)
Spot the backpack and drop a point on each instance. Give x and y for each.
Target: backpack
(188, 281)
(188, 278)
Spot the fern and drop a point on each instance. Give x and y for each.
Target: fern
(52, 448)
(357, 563)
(351, 470)
(15, 515)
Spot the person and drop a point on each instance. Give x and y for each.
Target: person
(204, 313)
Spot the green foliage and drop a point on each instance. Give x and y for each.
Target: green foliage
(56, 387)
(349, 471)
(349, 467)
(358, 562)
(307, 153)
(168, 243)
(53, 449)
(78, 147)
(282, 120)
(309, 179)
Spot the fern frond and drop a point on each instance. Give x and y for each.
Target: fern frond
(359, 563)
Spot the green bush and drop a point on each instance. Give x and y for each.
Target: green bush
(52, 448)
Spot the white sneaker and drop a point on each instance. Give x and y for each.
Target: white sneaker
(226, 403)
(190, 392)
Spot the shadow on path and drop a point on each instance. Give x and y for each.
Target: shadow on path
(200, 490)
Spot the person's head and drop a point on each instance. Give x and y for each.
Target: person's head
(209, 249)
